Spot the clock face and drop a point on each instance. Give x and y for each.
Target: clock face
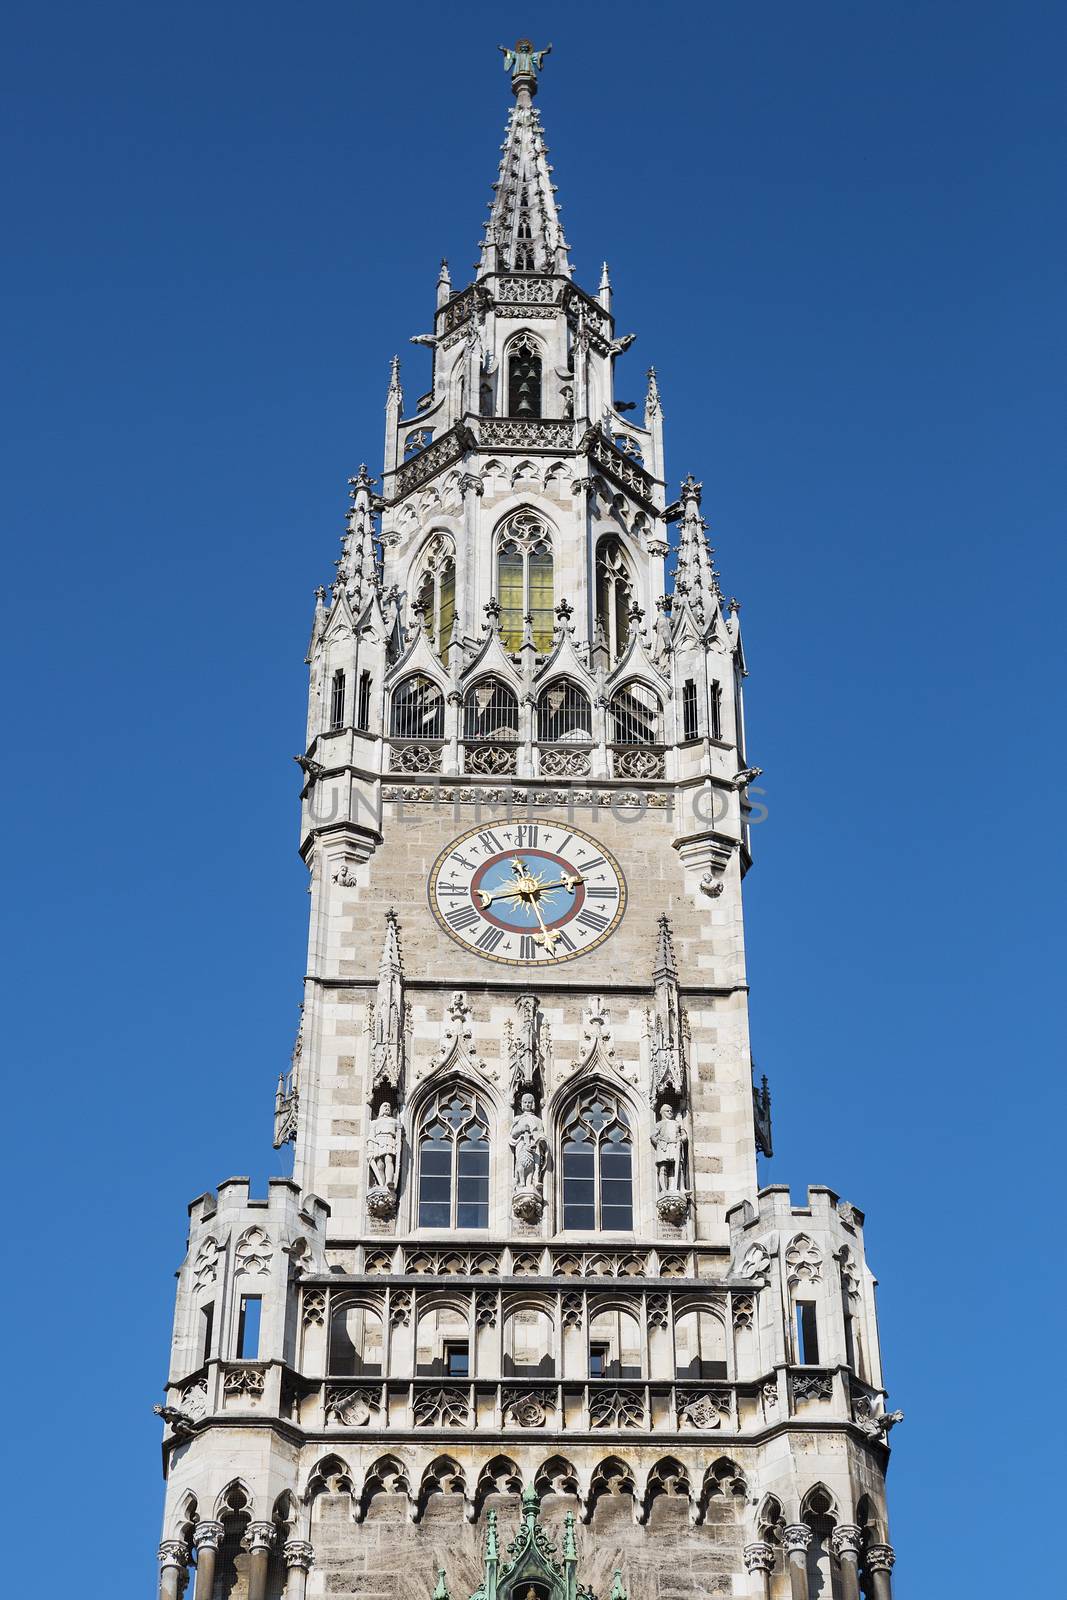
(529, 893)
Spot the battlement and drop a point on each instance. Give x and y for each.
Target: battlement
(775, 1203)
(282, 1201)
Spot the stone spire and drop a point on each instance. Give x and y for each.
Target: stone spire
(358, 567)
(387, 1019)
(696, 581)
(524, 233)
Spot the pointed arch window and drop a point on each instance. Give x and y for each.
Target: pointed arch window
(614, 593)
(491, 712)
(597, 1165)
(524, 579)
(418, 710)
(636, 715)
(454, 1161)
(524, 376)
(564, 715)
(435, 592)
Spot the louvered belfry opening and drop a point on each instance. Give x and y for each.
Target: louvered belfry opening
(524, 378)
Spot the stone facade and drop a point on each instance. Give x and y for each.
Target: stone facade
(523, 1251)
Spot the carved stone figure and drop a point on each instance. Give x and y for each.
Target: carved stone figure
(530, 1151)
(671, 1142)
(383, 1156)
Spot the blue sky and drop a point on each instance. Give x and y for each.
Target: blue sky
(838, 232)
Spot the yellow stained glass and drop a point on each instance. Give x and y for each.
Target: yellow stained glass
(541, 598)
(510, 596)
(446, 611)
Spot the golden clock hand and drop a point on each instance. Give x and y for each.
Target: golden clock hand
(548, 939)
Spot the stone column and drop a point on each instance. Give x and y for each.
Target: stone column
(261, 1537)
(796, 1538)
(880, 1559)
(847, 1543)
(207, 1539)
(298, 1556)
(173, 1559)
(759, 1561)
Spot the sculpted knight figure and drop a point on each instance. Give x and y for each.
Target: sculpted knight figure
(530, 1147)
(671, 1142)
(383, 1147)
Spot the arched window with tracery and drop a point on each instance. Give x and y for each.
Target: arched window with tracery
(564, 715)
(453, 1161)
(614, 593)
(524, 579)
(524, 376)
(597, 1165)
(435, 592)
(491, 712)
(418, 709)
(636, 715)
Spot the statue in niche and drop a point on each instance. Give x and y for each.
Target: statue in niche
(383, 1156)
(530, 1151)
(671, 1144)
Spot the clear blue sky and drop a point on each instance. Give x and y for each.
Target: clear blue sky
(838, 232)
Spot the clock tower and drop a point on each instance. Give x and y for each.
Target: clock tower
(523, 1284)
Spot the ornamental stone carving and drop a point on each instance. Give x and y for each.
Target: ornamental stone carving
(796, 1537)
(813, 1386)
(880, 1557)
(208, 1535)
(527, 1408)
(352, 1408)
(702, 1408)
(441, 1408)
(244, 1380)
(298, 1553)
(314, 1307)
(400, 1308)
(846, 1540)
(261, 1536)
(173, 1553)
(758, 1557)
(206, 1268)
(617, 1408)
(254, 1251)
(757, 1261)
(565, 763)
(743, 1309)
(193, 1400)
(803, 1261)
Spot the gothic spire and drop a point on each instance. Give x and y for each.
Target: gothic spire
(524, 233)
(696, 580)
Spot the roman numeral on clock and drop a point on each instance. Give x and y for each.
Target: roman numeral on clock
(592, 920)
(490, 939)
(526, 836)
(489, 841)
(587, 866)
(601, 891)
(462, 917)
(527, 948)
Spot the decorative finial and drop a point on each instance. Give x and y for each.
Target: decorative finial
(441, 1591)
(524, 63)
